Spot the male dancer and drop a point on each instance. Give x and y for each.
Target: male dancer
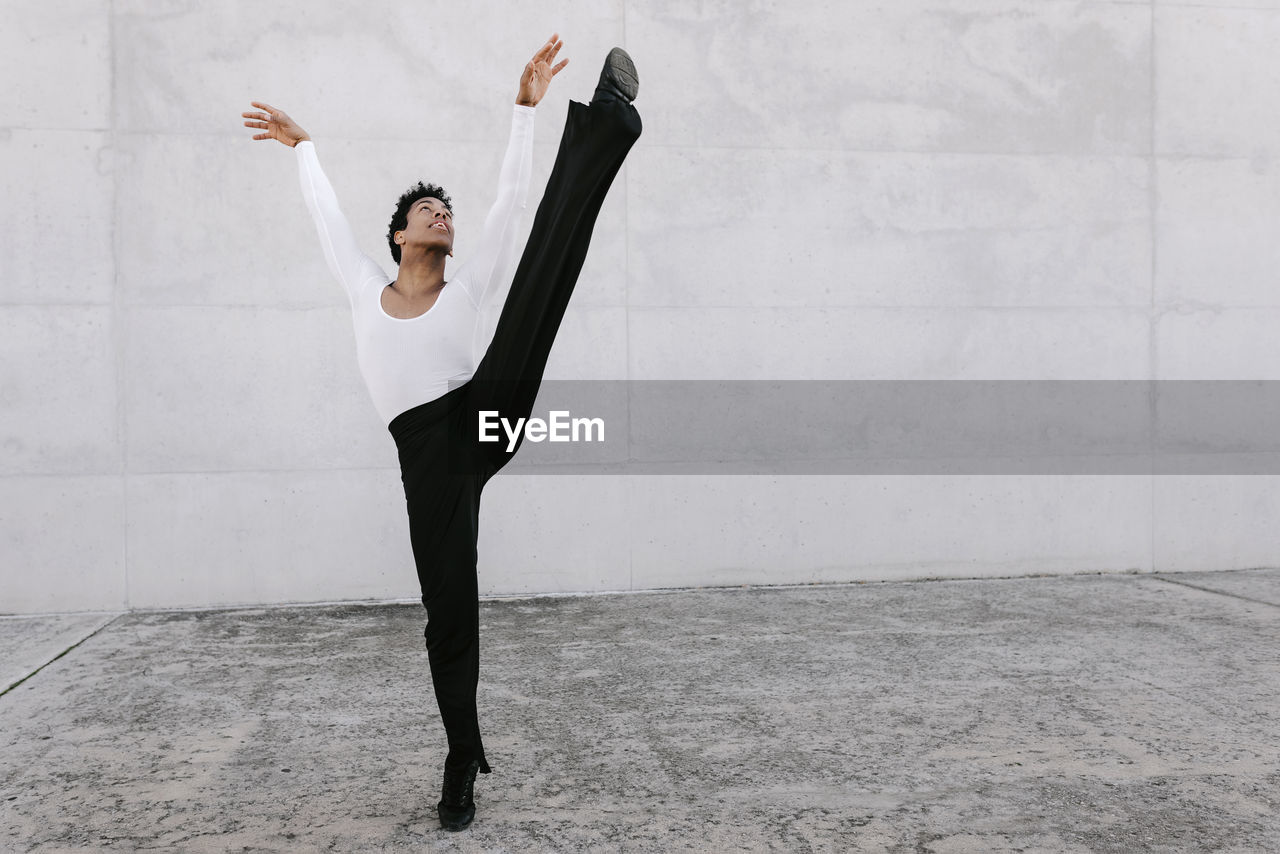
(416, 349)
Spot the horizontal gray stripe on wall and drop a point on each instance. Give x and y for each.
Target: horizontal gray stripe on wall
(895, 427)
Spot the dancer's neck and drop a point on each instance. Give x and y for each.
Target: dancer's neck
(421, 273)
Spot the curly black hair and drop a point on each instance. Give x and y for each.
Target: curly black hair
(400, 219)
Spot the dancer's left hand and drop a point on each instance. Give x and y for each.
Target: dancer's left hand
(539, 71)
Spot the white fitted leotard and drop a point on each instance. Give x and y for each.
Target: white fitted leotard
(406, 363)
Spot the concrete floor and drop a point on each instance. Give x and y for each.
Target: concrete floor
(1100, 713)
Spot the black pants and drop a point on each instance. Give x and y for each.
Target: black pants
(443, 464)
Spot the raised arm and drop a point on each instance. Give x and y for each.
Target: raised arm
(348, 264)
(491, 258)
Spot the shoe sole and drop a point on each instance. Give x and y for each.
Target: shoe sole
(455, 826)
(621, 71)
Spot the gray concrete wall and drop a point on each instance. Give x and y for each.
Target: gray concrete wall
(950, 189)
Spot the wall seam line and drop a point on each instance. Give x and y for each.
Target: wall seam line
(626, 338)
(1154, 316)
(117, 303)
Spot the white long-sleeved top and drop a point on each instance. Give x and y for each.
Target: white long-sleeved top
(406, 363)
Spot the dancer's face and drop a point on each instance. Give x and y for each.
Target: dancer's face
(430, 225)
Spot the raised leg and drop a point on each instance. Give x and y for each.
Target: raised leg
(594, 144)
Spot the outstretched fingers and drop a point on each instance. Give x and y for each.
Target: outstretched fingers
(260, 120)
(548, 51)
(559, 65)
(257, 121)
(543, 51)
(555, 48)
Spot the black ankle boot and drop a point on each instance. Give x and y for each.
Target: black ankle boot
(619, 79)
(457, 805)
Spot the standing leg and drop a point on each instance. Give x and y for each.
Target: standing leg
(450, 593)
(443, 516)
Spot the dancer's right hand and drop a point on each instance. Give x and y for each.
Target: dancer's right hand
(276, 123)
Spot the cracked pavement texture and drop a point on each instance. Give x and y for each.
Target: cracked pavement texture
(1088, 713)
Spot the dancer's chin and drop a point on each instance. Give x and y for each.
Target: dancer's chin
(438, 248)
